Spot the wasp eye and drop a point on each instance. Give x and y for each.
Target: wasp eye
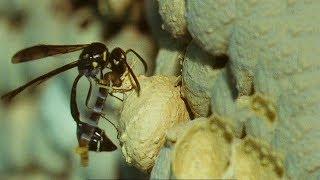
(116, 62)
(96, 56)
(94, 64)
(86, 56)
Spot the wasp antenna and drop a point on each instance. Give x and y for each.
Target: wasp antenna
(134, 78)
(140, 58)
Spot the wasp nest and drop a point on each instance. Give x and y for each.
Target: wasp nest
(173, 16)
(145, 119)
(200, 70)
(206, 149)
(171, 51)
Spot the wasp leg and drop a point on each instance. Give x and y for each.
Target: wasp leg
(116, 97)
(73, 100)
(120, 90)
(89, 94)
(116, 127)
(178, 81)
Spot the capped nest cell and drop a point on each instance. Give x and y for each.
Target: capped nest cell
(146, 118)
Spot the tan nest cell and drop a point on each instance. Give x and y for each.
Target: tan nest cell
(199, 73)
(206, 148)
(173, 16)
(202, 150)
(145, 119)
(255, 160)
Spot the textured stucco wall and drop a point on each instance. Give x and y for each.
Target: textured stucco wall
(269, 89)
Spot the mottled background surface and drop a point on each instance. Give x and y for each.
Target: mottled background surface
(38, 135)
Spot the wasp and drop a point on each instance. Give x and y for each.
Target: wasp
(92, 63)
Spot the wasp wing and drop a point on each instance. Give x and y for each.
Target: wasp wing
(8, 96)
(42, 51)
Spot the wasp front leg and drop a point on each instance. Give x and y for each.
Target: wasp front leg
(123, 90)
